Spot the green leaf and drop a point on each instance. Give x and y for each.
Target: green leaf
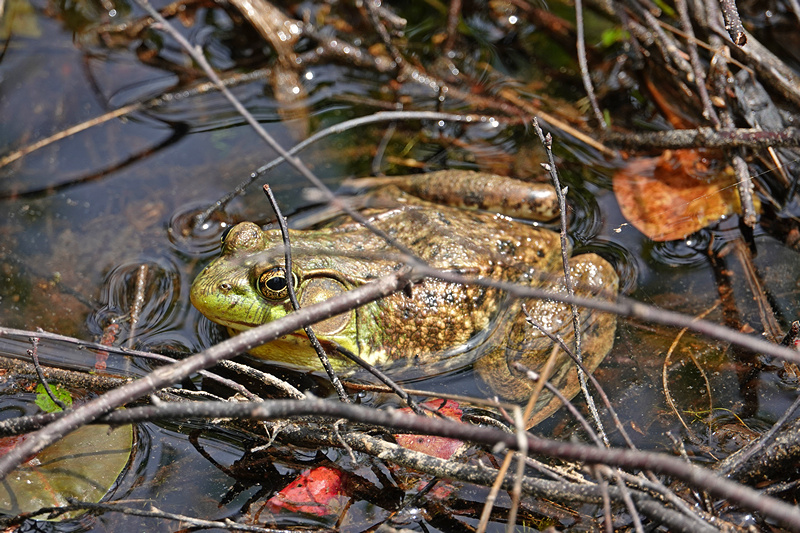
(46, 404)
(614, 35)
(83, 465)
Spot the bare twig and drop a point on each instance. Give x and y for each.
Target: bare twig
(382, 116)
(263, 377)
(626, 497)
(697, 476)
(138, 302)
(516, 492)
(626, 307)
(694, 59)
(547, 141)
(378, 373)
(153, 512)
(289, 279)
(705, 138)
(34, 354)
(732, 22)
(735, 461)
(587, 80)
(79, 343)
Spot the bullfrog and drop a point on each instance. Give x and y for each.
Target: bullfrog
(437, 326)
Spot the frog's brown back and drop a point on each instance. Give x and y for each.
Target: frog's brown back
(439, 316)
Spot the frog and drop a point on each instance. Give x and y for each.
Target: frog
(476, 224)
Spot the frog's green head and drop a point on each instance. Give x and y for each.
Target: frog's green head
(247, 286)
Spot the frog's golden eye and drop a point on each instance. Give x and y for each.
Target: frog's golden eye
(272, 283)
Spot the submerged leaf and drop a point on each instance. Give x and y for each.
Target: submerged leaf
(319, 491)
(674, 195)
(441, 447)
(83, 465)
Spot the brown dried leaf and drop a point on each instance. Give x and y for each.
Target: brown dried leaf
(676, 194)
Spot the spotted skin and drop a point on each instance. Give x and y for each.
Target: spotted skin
(437, 326)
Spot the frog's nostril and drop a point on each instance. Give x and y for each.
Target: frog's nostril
(225, 286)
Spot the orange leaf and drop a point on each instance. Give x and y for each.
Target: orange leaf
(674, 195)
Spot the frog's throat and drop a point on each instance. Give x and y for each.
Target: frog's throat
(295, 351)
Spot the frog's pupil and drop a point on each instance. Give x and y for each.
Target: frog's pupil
(276, 283)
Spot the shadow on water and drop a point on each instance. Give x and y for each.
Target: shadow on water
(99, 223)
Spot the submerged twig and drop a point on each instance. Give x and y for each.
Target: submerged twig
(664, 375)
(138, 302)
(381, 116)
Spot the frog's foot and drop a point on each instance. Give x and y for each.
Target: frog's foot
(531, 348)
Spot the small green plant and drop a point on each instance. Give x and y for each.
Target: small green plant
(613, 36)
(46, 404)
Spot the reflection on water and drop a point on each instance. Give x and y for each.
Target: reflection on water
(80, 217)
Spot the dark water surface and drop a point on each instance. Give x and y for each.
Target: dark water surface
(80, 216)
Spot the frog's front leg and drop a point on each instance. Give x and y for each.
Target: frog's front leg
(526, 344)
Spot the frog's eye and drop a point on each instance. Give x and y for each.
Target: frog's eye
(272, 283)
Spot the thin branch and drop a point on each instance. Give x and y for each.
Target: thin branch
(289, 278)
(694, 59)
(34, 354)
(80, 344)
(746, 497)
(378, 373)
(733, 24)
(175, 372)
(381, 116)
(705, 138)
(547, 141)
(625, 307)
(584, 67)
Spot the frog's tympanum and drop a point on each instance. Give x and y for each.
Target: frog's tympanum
(437, 325)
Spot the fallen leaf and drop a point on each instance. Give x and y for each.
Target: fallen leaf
(441, 447)
(673, 195)
(319, 491)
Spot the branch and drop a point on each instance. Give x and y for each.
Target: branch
(748, 498)
(705, 138)
(175, 372)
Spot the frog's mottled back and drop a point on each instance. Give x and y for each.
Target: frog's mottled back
(247, 286)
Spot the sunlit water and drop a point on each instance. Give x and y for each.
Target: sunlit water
(78, 218)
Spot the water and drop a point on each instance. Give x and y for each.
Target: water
(80, 216)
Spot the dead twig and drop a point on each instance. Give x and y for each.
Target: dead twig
(746, 497)
(705, 138)
(547, 141)
(289, 278)
(584, 66)
(732, 22)
(34, 354)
